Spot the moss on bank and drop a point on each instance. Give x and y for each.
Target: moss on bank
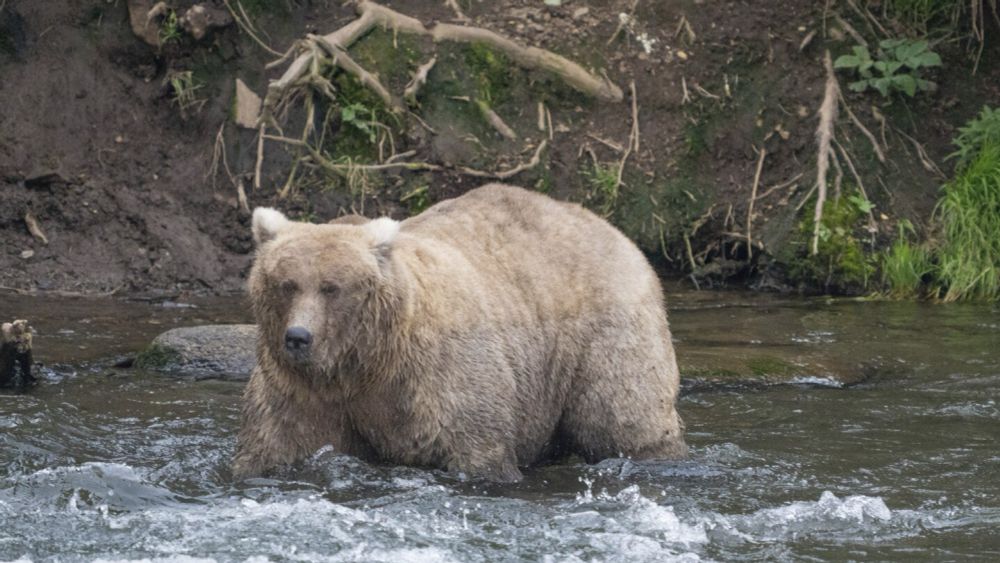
(157, 357)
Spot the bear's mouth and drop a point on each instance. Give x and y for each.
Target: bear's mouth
(298, 358)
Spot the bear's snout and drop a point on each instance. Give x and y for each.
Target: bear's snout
(297, 340)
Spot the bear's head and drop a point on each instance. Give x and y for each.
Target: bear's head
(317, 289)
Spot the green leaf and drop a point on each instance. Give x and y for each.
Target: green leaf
(861, 52)
(882, 85)
(846, 61)
(909, 50)
(890, 44)
(906, 83)
(929, 58)
(926, 85)
(348, 113)
(881, 67)
(859, 86)
(894, 66)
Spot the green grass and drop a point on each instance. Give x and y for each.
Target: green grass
(417, 200)
(492, 72)
(602, 184)
(969, 216)
(841, 261)
(906, 265)
(185, 90)
(976, 134)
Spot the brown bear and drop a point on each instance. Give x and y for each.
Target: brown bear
(489, 333)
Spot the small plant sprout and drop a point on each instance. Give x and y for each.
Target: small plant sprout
(603, 180)
(861, 203)
(184, 87)
(170, 30)
(417, 199)
(898, 65)
(361, 118)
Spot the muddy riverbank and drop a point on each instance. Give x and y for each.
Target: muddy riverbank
(107, 143)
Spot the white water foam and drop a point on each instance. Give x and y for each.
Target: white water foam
(829, 514)
(816, 381)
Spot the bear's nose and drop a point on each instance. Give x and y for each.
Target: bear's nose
(297, 339)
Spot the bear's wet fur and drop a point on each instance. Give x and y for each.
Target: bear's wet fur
(480, 336)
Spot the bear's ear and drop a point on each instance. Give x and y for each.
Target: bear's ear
(267, 223)
(383, 230)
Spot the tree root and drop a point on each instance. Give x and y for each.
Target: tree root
(824, 138)
(862, 128)
(505, 174)
(340, 58)
(305, 77)
(753, 198)
(419, 79)
(371, 15)
(491, 117)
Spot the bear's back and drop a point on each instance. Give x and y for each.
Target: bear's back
(545, 246)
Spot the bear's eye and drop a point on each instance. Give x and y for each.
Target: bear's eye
(330, 289)
(288, 286)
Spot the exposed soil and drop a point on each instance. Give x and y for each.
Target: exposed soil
(93, 146)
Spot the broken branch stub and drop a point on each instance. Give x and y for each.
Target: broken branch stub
(15, 355)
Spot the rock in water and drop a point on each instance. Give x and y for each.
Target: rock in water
(203, 352)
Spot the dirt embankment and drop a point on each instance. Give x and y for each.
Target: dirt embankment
(116, 169)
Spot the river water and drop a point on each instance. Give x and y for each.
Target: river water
(107, 463)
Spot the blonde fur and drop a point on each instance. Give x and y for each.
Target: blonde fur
(493, 331)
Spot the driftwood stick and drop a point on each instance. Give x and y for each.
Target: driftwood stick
(15, 355)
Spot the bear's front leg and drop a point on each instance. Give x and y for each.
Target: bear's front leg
(496, 463)
(285, 421)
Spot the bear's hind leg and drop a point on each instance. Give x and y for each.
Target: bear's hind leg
(622, 400)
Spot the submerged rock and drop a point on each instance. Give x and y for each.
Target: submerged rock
(203, 352)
